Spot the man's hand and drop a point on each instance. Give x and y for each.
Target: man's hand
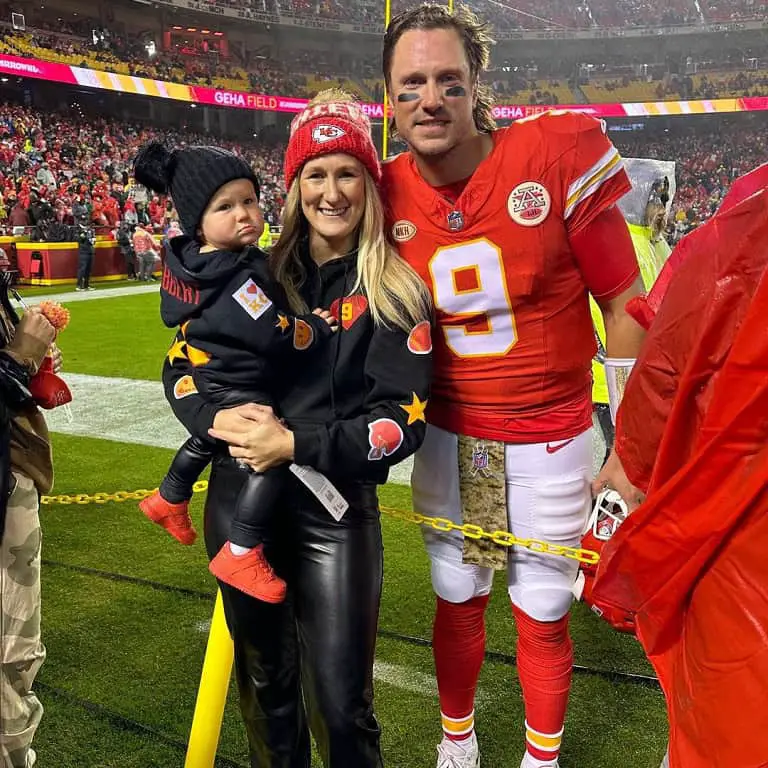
(34, 335)
(612, 475)
(241, 418)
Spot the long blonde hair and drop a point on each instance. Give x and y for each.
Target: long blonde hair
(396, 294)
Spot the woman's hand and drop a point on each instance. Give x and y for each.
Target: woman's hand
(257, 439)
(612, 475)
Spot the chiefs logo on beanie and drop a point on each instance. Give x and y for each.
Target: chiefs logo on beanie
(329, 129)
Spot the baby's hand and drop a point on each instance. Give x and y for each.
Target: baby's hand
(328, 317)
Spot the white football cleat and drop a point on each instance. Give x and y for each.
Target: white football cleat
(531, 762)
(458, 754)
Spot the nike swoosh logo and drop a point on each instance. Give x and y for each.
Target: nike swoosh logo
(556, 448)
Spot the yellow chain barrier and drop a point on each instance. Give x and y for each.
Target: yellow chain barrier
(443, 524)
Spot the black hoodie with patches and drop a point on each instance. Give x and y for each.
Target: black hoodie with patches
(233, 329)
(356, 404)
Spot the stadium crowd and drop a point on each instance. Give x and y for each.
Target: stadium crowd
(61, 169)
(549, 80)
(531, 14)
(707, 163)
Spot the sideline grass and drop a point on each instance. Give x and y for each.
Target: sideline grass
(116, 337)
(137, 651)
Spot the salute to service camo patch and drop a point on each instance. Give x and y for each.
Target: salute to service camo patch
(483, 491)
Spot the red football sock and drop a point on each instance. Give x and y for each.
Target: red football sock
(545, 666)
(458, 641)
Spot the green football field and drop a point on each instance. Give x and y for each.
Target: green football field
(126, 611)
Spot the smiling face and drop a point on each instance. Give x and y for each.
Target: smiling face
(233, 219)
(332, 191)
(432, 91)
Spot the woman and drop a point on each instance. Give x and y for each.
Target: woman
(354, 408)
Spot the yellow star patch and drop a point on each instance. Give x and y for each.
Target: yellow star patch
(177, 351)
(197, 356)
(415, 410)
(283, 323)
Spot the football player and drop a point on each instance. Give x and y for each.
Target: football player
(512, 229)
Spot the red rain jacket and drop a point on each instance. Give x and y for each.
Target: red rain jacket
(693, 433)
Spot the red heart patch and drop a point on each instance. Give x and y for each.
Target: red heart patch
(252, 288)
(349, 310)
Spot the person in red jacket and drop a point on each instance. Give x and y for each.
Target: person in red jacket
(692, 439)
(146, 251)
(18, 216)
(156, 213)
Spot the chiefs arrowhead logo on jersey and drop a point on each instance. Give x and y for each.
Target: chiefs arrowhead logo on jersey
(323, 133)
(384, 437)
(420, 339)
(184, 387)
(529, 204)
(303, 335)
(403, 231)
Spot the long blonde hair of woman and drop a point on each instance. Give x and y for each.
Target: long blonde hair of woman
(396, 294)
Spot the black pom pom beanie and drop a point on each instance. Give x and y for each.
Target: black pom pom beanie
(192, 176)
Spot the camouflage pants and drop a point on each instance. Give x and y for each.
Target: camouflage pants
(21, 652)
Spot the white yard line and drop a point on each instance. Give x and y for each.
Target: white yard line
(122, 410)
(99, 293)
(396, 675)
(133, 411)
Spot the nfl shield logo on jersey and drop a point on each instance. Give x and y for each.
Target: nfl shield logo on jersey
(480, 461)
(455, 221)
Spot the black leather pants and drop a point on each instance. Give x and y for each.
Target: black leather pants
(306, 664)
(259, 496)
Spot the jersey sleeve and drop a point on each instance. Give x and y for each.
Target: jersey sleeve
(398, 371)
(605, 254)
(593, 176)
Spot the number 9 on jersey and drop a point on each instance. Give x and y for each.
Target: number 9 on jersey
(469, 283)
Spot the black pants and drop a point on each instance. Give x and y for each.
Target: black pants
(603, 413)
(84, 265)
(306, 664)
(130, 260)
(254, 507)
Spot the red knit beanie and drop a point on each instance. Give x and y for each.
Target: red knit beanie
(327, 129)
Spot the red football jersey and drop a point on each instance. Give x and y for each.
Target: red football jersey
(512, 360)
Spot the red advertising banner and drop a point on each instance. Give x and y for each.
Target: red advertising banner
(142, 86)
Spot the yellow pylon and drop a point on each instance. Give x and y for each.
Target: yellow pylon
(212, 694)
